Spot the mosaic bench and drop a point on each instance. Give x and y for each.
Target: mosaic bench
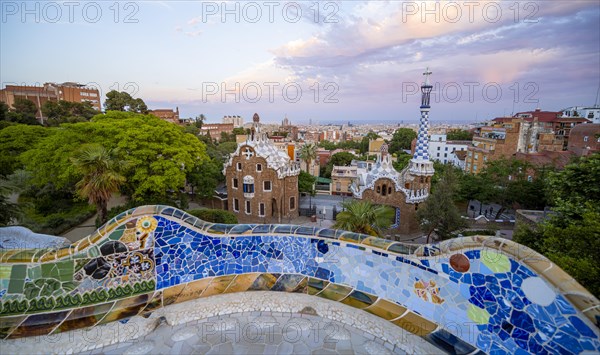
(463, 295)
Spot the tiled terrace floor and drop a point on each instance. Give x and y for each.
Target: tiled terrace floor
(256, 333)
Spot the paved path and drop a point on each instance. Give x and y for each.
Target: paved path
(255, 333)
(89, 226)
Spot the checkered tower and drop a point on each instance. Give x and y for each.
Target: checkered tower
(420, 165)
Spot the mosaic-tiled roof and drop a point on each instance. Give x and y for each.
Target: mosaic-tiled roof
(276, 158)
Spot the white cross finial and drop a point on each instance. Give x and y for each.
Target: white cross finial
(248, 153)
(427, 74)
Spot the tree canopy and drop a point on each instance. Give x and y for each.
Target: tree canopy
(459, 135)
(571, 237)
(401, 140)
(122, 101)
(338, 159)
(159, 154)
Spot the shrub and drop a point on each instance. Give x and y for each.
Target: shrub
(214, 216)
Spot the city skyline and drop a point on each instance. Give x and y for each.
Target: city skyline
(353, 61)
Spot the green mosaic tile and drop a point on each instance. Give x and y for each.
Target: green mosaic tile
(15, 286)
(117, 233)
(19, 272)
(34, 272)
(50, 270)
(66, 269)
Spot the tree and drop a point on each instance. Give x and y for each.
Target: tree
(23, 111)
(459, 135)
(401, 140)
(199, 121)
(205, 177)
(327, 145)
(364, 217)
(15, 140)
(338, 159)
(402, 160)
(3, 111)
(122, 101)
(308, 153)
(439, 214)
(117, 101)
(8, 211)
(571, 238)
(57, 112)
(364, 143)
(159, 154)
(306, 183)
(101, 178)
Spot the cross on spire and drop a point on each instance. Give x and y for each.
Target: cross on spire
(248, 153)
(427, 74)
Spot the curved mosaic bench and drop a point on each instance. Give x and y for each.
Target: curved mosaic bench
(462, 295)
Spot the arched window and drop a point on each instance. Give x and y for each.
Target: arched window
(384, 190)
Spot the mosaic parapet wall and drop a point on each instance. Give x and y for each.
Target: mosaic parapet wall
(462, 295)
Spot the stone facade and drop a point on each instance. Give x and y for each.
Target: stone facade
(276, 200)
(262, 181)
(408, 223)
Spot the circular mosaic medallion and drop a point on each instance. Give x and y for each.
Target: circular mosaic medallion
(537, 291)
(460, 262)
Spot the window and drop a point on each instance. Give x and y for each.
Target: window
(585, 139)
(378, 189)
(438, 155)
(530, 178)
(445, 155)
(292, 203)
(485, 158)
(384, 190)
(248, 211)
(338, 186)
(474, 167)
(446, 148)
(258, 167)
(235, 183)
(389, 190)
(266, 185)
(248, 186)
(439, 148)
(261, 209)
(239, 166)
(236, 205)
(476, 156)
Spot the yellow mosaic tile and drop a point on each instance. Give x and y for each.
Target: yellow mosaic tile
(360, 300)
(242, 283)
(218, 285)
(377, 242)
(415, 324)
(170, 294)
(335, 292)
(193, 290)
(386, 309)
(264, 282)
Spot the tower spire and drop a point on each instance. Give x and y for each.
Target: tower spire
(420, 163)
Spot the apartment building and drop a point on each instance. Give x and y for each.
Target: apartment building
(492, 143)
(442, 150)
(68, 91)
(342, 178)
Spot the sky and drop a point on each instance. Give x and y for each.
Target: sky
(327, 61)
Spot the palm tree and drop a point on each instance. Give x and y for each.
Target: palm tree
(364, 217)
(308, 153)
(100, 176)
